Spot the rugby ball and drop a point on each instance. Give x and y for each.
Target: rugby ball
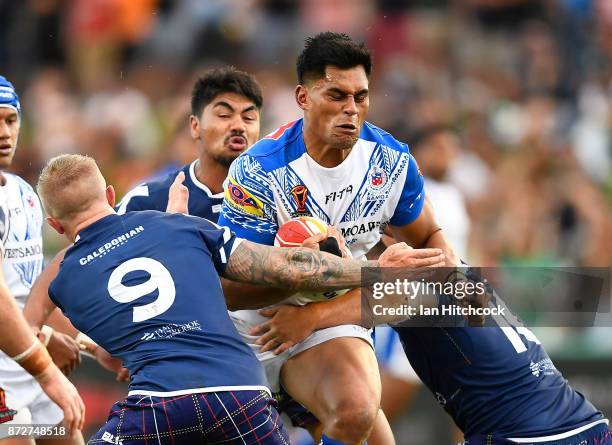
(292, 234)
(296, 230)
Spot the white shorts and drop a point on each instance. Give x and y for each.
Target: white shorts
(24, 395)
(271, 363)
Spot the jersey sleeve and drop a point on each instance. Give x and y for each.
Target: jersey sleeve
(136, 199)
(412, 198)
(52, 291)
(221, 242)
(248, 205)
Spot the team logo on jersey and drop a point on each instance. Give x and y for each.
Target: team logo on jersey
(544, 366)
(30, 201)
(239, 198)
(300, 194)
(6, 414)
(378, 177)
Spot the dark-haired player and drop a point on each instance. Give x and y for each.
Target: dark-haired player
(225, 119)
(351, 174)
(497, 382)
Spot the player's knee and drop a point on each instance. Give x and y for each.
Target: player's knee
(352, 422)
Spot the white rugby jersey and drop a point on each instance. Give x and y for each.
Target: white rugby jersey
(275, 180)
(21, 221)
(378, 183)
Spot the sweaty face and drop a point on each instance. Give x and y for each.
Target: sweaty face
(337, 105)
(9, 133)
(227, 126)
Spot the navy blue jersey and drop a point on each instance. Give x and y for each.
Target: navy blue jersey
(495, 380)
(153, 195)
(155, 301)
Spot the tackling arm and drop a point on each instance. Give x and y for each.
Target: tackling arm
(295, 268)
(39, 306)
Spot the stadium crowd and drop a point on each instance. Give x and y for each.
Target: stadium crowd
(526, 84)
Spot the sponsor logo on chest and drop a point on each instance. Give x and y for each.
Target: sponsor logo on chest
(339, 194)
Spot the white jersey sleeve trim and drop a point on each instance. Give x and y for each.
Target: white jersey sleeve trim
(237, 242)
(141, 190)
(198, 184)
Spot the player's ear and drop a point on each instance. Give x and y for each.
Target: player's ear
(194, 127)
(301, 97)
(110, 195)
(56, 224)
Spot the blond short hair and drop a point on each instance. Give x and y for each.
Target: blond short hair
(69, 185)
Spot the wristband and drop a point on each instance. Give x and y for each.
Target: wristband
(46, 332)
(83, 340)
(35, 359)
(20, 357)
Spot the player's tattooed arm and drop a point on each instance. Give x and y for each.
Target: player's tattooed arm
(295, 268)
(300, 268)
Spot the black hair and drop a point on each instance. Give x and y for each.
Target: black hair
(331, 48)
(224, 80)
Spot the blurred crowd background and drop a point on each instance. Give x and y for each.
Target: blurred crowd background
(507, 105)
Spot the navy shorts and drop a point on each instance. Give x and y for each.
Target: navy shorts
(598, 435)
(297, 413)
(232, 417)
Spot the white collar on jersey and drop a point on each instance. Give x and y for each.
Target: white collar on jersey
(198, 184)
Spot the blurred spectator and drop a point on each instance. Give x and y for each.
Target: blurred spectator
(435, 149)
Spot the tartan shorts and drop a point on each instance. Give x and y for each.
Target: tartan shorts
(229, 417)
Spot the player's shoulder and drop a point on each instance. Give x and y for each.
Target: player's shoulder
(156, 219)
(276, 149)
(151, 194)
(19, 181)
(162, 183)
(372, 133)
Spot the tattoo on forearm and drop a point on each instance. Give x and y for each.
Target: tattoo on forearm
(294, 268)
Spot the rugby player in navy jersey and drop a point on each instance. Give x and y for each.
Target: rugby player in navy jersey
(156, 302)
(496, 382)
(224, 121)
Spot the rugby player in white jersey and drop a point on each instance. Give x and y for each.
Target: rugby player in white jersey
(18, 342)
(334, 166)
(22, 261)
